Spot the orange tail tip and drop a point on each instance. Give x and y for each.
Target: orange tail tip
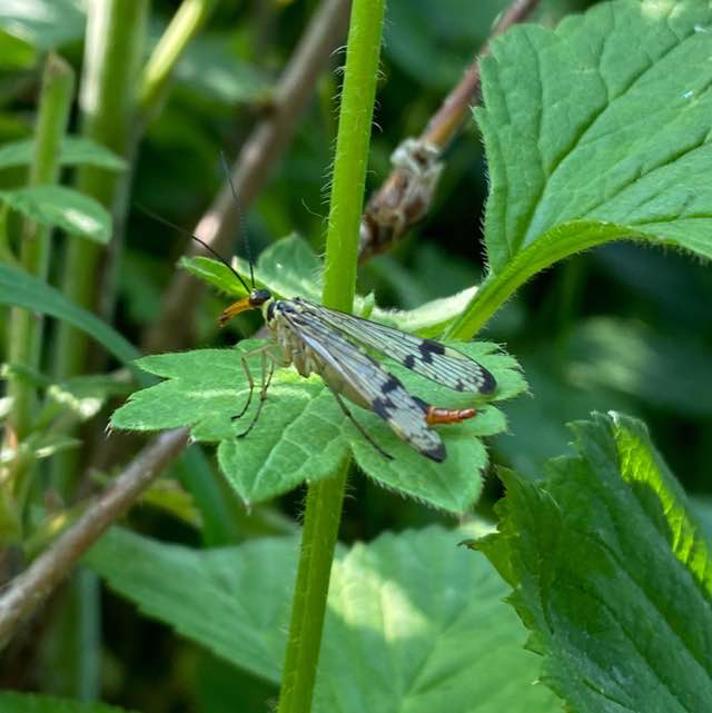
(435, 415)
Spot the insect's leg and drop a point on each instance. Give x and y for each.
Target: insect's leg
(266, 381)
(251, 382)
(360, 428)
(246, 368)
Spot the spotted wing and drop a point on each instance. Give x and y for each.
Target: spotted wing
(426, 357)
(383, 392)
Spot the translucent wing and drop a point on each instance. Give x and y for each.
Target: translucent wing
(426, 357)
(383, 392)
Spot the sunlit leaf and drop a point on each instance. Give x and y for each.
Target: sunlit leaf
(405, 613)
(57, 206)
(45, 24)
(611, 575)
(596, 131)
(581, 124)
(303, 435)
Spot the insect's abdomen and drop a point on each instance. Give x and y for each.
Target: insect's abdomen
(435, 415)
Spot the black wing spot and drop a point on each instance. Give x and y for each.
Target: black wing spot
(436, 453)
(424, 405)
(381, 407)
(428, 347)
(409, 361)
(489, 384)
(390, 385)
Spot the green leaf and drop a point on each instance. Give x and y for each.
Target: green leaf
(611, 575)
(434, 42)
(11, 702)
(596, 131)
(39, 445)
(429, 319)
(21, 289)
(15, 53)
(168, 496)
(74, 151)
(667, 372)
(214, 273)
(212, 69)
(57, 206)
(302, 433)
(603, 128)
(537, 430)
(247, 590)
(413, 622)
(82, 396)
(702, 508)
(45, 24)
(290, 268)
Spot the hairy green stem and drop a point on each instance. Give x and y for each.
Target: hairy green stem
(325, 499)
(156, 74)
(319, 535)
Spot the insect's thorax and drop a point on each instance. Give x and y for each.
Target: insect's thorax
(294, 350)
(292, 347)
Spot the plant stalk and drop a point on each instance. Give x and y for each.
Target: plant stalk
(325, 498)
(115, 35)
(25, 338)
(114, 42)
(157, 73)
(25, 327)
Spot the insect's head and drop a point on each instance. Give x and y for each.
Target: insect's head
(255, 300)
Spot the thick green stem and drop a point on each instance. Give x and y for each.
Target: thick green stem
(115, 35)
(325, 499)
(114, 41)
(25, 327)
(319, 535)
(25, 332)
(183, 27)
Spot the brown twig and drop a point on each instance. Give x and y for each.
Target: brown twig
(262, 148)
(29, 589)
(405, 196)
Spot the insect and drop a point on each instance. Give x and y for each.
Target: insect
(334, 345)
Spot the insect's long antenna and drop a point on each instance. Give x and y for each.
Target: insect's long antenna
(243, 230)
(187, 233)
